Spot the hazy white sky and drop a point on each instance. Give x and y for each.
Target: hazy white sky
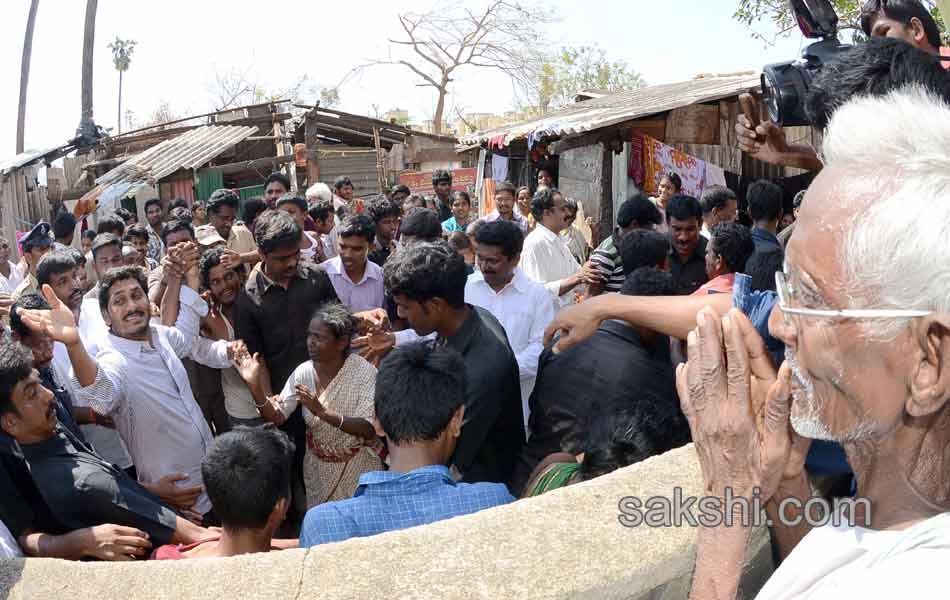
(182, 43)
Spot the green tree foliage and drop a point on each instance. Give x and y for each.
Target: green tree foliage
(572, 70)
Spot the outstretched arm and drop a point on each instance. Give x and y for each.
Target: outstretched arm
(60, 324)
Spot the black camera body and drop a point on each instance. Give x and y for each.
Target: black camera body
(785, 84)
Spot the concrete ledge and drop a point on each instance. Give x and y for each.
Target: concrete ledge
(565, 544)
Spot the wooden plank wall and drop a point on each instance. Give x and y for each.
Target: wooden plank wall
(22, 202)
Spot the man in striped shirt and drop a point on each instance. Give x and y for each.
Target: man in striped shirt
(636, 213)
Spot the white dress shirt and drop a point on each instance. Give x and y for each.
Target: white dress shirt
(144, 387)
(329, 242)
(547, 259)
(524, 308)
(9, 284)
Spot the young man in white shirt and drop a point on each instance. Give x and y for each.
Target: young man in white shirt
(522, 306)
(10, 275)
(546, 258)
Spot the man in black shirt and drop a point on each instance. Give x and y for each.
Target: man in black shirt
(688, 253)
(427, 282)
(618, 365)
(385, 214)
(442, 185)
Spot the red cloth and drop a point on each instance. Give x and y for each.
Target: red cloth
(176, 551)
(720, 285)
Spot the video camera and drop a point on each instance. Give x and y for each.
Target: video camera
(785, 84)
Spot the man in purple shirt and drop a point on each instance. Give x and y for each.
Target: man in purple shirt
(358, 282)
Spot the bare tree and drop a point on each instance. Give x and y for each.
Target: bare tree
(240, 87)
(435, 44)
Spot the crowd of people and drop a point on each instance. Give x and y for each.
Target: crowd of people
(321, 367)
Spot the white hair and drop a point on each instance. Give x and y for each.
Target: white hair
(896, 247)
(319, 191)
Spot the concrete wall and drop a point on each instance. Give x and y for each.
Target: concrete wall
(565, 544)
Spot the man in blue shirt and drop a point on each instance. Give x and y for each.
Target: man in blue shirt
(420, 408)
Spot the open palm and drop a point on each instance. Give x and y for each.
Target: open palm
(58, 322)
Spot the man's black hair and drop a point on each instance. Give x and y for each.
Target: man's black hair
(53, 263)
(152, 201)
(462, 196)
(675, 179)
(439, 176)
(901, 11)
(104, 240)
(423, 224)
(320, 210)
(638, 208)
(504, 235)
(124, 214)
(683, 208)
(425, 271)
(621, 435)
(276, 229)
(643, 248)
(762, 267)
(733, 242)
(716, 196)
(765, 201)
(874, 68)
(280, 178)
(419, 388)
(246, 472)
(382, 208)
(337, 318)
(209, 260)
(171, 227)
(32, 301)
(64, 225)
(114, 276)
(358, 225)
(78, 257)
(506, 186)
(252, 207)
(291, 198)
(543, 200)
(648, 281)
(341, 182)
(178, 203)
(16, 365)
(111, 223)
(139, 230)
(401, 189)
(223, 197)
(458, 241)
(89, 234)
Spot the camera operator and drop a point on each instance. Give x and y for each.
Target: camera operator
(871, 68)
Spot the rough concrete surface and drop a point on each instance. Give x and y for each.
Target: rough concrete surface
(565, 544)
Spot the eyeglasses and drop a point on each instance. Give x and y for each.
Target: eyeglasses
(785, 295)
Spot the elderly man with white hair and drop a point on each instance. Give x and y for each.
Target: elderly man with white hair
(865, 317)
(322, 209)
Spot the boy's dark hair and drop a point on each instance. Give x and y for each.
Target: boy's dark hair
(252, 207)
(716, 196)
(643, 248)
(104, 240)
(683, 208)
(638, 208)
(901, 11)
(124, 214)
(462, 196)
(63, 225)
(503, 235)
(762, 267)
(358, 225)
(223, 197)
(342, 181)
(765, 200)
(294, 199)
(320, 210)
(247, 472)
(648, 281)
(543, 200)
(32, 301)
(425, 271)
(506, 186)
(440, 175)
(114, 276)
(111, 223)
(151, 201)
(16, 365)
(78, 257)
(675, 179)
(209, 260)
(53, 263)
(171, 227)
(401, 189)
(139, 230)
(419, 388)
(280, 178)
(89, 234)
(733, 242)
(276, 229)
(422, 223)
(382, 208)
(178, 203)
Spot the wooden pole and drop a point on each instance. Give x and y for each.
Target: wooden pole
(88, 41)
(380, 174)
(25, 75)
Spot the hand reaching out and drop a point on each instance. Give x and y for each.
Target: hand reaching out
(114, 542)
(58, 322)
(309, 399)
(166, 488)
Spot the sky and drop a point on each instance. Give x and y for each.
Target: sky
(183, 44)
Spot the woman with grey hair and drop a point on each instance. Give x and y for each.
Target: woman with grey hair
(336, 389)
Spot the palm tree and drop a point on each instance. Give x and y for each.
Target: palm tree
(25, 75)
(121, 58)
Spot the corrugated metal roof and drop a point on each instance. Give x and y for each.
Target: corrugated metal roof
(25, 158)
(596, 113)
(187, 151)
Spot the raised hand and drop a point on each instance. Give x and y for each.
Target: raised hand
(374, 346)
(248, 366)
(309, 399)
(58, 322)
(574, 323)
(372, 320)
(230, 259)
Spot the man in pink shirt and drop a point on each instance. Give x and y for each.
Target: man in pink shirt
(729, 247)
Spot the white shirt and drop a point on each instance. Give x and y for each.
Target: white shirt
(309, 253)
(9, 284)
(329, 243)
(547, 259)
(852, 562)
(524, 308)
(144, 387)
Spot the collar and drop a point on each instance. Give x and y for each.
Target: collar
(57, 445)
(334, 266)
(376, 481)
(466, 332)
(544, 232)
(520, 281)
(259, 282)
(699, 252)
(658, 349)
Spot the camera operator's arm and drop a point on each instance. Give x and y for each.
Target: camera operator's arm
(767, 142)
